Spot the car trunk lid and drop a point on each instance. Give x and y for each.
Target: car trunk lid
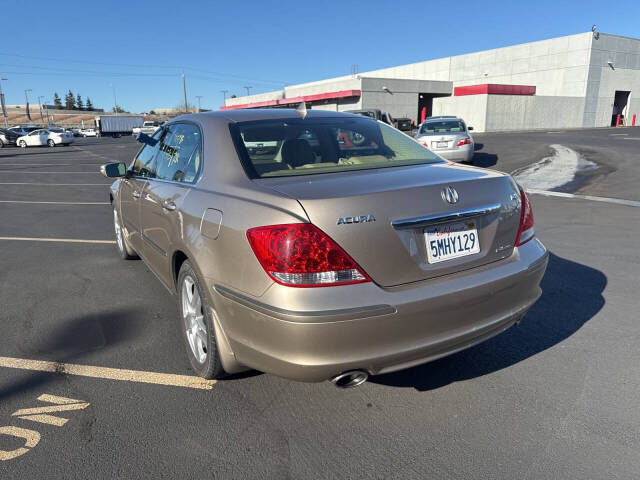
(379, 217)
(442, 142)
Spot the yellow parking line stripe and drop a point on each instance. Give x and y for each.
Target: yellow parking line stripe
(63, 240)
(52, 184)
(55, 203)
(168, 379)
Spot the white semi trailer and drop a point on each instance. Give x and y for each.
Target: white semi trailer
(117, 125)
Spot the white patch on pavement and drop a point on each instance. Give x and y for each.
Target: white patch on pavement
(619, 201)
(554, 171)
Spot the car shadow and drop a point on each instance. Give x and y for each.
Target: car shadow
(75, 340)
(571, 296)
(483, 159)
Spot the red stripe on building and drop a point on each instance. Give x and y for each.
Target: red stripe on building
(494, 89)
(293, 100)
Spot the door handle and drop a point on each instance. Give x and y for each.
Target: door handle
(168, 205)
(136, 194)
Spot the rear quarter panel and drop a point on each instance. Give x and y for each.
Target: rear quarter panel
(220, 251)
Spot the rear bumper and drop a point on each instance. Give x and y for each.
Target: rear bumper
(460, 154)
(378, 329)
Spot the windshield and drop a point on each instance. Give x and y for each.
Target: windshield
(277, 148)
(442, 126)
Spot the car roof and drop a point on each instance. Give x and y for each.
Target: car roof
(442, 117)
(252, 114)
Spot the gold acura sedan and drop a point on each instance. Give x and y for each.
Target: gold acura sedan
(322, 245)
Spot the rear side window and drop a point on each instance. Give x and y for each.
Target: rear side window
(179, 156)
(278, 148)
(442, 127)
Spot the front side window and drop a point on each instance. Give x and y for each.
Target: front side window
(144, 164)
(278, 148)
(440, 127)
(179, 156)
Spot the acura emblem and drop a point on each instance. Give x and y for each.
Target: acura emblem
(449, 195)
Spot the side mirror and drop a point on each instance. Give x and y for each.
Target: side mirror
(469, 128)
(113, 170)
(146, 139)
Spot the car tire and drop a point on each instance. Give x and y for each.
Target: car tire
(51, 143)
(196, 324)
(22, 144)
(1, 144)
(124, 250)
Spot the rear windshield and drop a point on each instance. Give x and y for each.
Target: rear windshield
(442, 126)
(279, 148)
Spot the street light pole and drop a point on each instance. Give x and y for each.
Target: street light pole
(198, 97)
(6, 121)
(115, 101)
(224, 94)
(248, 88)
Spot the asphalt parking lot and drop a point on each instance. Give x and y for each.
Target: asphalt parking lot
(93, 340)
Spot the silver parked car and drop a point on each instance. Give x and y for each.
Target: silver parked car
(449, 137)
(323, 245)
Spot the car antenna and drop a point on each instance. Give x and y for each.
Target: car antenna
(302, 110)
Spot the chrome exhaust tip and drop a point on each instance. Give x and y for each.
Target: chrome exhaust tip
(350, 379)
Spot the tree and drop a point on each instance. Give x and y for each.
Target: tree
(234, 96)
(117, 109)
(152, 112)
(56, 101)
(89, 105)
(69, 101)
(79, 103)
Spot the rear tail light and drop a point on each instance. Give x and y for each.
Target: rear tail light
(465, 141)
(301, 255)
(525, 230)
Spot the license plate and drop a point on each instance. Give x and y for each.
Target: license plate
(439, 144)
(445, 242)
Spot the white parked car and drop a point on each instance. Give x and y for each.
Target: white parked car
(44, 137)
(448, 137)
(88, 132)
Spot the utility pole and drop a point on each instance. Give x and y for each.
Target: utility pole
(6, 122)
(224, 94)
(115, 101)
(26, 96)
(198, 97)
(248, 93)
(184, 88)
(40, 105)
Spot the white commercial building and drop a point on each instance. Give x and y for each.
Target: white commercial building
(583, 80)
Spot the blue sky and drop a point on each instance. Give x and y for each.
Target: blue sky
(140, 47)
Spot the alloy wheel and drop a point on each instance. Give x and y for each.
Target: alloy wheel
(193, 317)
(116, 226)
